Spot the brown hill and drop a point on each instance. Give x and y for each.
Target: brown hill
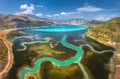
(13, 21)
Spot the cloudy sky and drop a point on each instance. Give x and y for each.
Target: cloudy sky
(63, 9)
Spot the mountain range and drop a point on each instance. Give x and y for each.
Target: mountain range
(73, 21)
(13, 21)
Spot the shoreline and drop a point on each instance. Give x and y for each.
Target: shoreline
(10, 57)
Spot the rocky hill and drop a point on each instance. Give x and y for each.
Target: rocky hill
(107, 33)
(14, 21)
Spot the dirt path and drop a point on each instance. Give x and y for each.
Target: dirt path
(10, 57)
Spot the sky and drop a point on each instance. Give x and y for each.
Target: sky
(63, 9)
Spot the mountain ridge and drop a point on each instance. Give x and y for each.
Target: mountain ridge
(8, 21)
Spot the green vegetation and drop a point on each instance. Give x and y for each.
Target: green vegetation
(3, 54)
(23, 58)
(3, 51)
(45, 50)
(106, 33)
(98, 64)
(49, 71)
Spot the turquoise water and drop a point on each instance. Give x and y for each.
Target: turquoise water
(59, 28)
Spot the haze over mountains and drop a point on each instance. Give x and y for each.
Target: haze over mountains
(73, 21)
(14, 21)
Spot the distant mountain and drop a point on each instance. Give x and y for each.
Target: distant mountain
(74, 21)
(14, 21)
(107, 33)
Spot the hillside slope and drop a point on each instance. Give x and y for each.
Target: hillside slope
(107, 33)
(93, 23)
(14, 21)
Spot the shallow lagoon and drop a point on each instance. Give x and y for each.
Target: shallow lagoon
(60, 39)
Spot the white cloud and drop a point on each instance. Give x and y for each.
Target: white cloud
(89, 8)
(24, 6)
(60, 14)
(28, 9)
(55, 14)
(63, 13)
(39, 14)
